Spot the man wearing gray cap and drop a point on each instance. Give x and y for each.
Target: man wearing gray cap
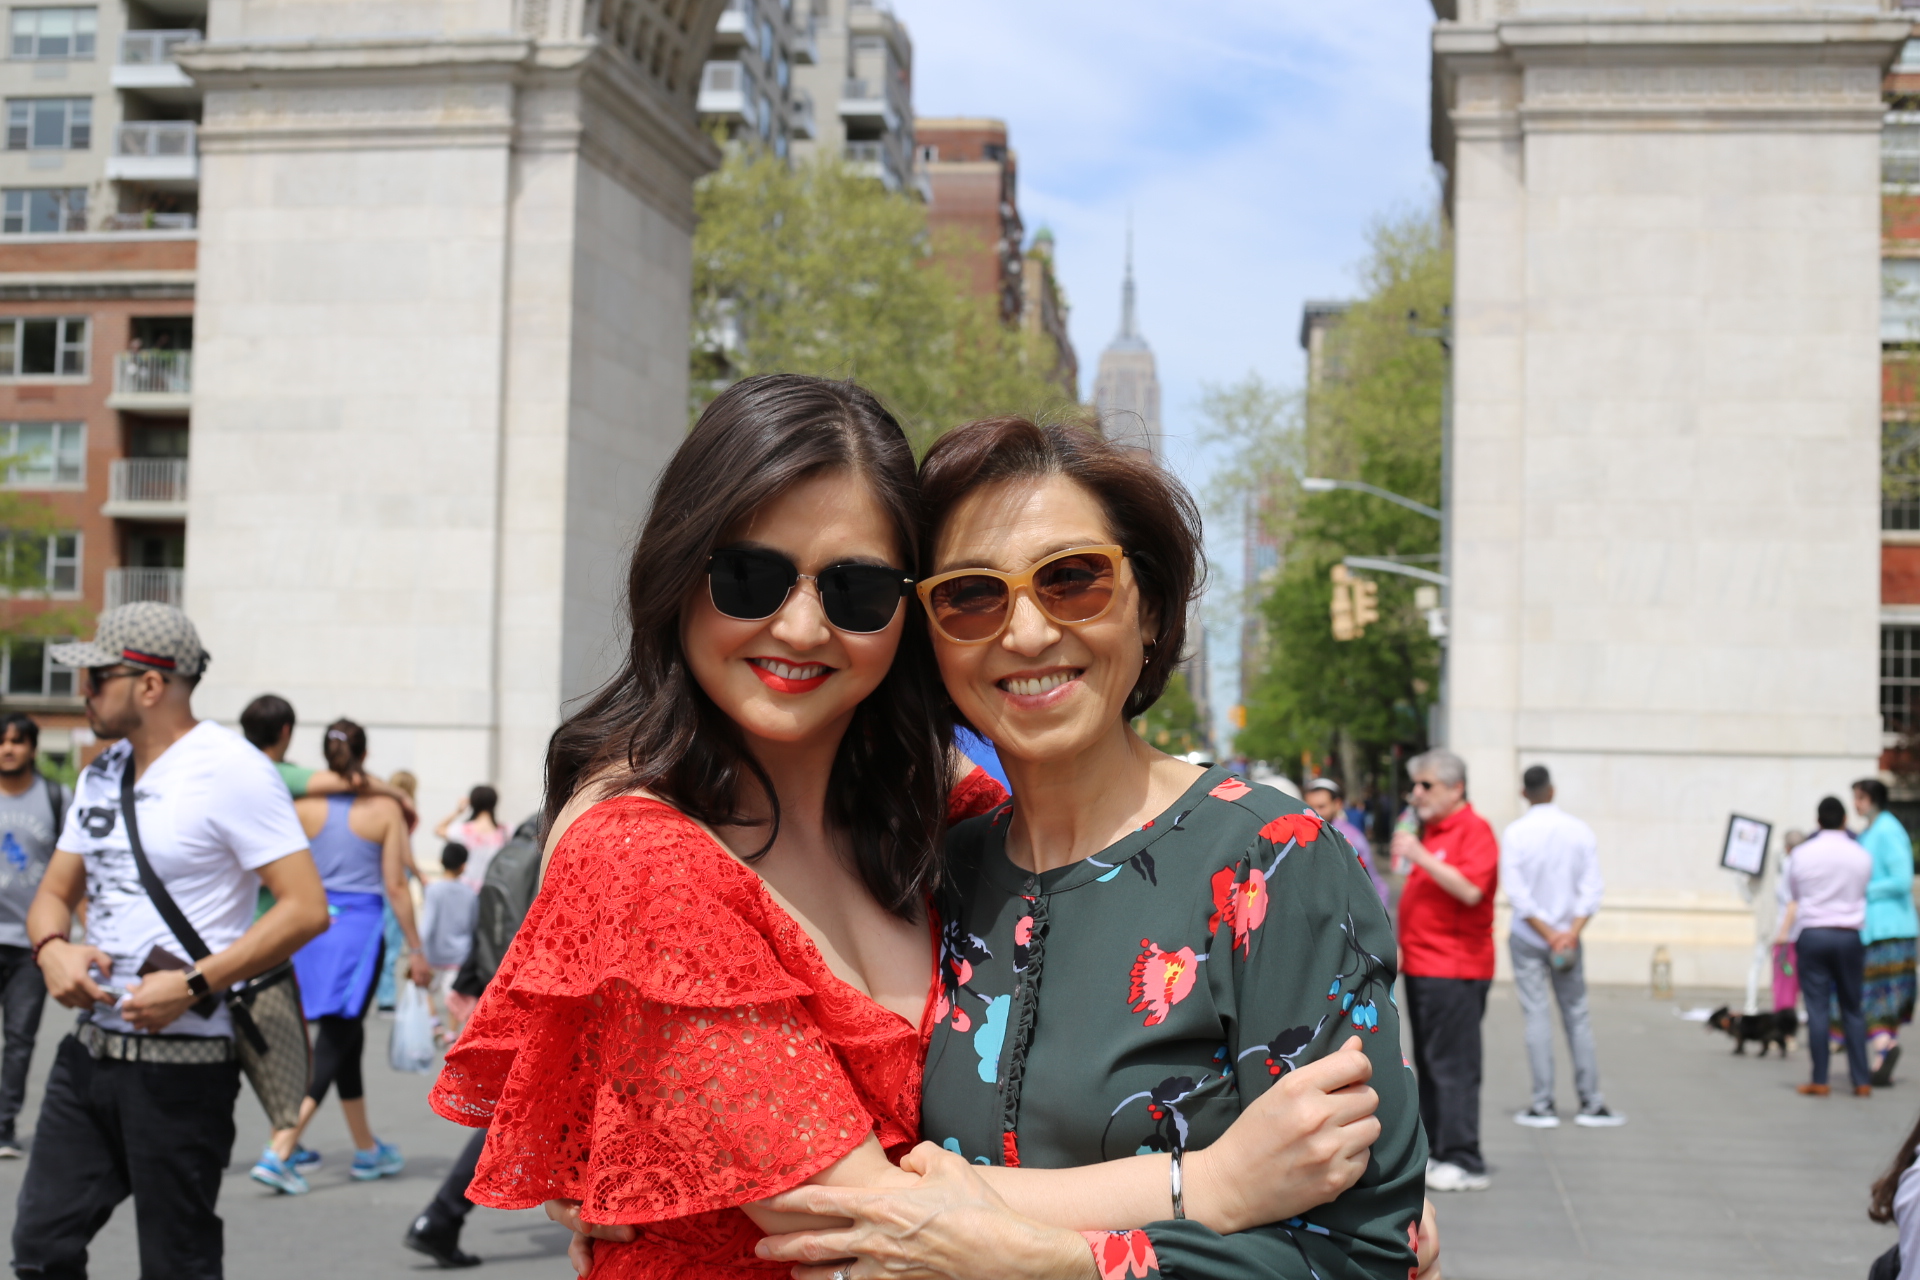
(140, 1098)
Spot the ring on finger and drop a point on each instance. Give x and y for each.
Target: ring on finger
(843, 1273)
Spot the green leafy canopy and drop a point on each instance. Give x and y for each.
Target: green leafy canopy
(1373, 415)
(819, 269)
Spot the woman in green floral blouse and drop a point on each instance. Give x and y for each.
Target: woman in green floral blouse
(1134, 948)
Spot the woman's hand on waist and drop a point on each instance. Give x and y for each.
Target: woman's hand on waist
(1297, 1146)
(580, 1250)
(950, 1226)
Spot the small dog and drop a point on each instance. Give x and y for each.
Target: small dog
(1768, 1028)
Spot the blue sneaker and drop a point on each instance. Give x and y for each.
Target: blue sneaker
(305, 1158)
(272, 1171)
(383, 1161)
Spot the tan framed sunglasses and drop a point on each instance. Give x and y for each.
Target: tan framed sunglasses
(972, 606)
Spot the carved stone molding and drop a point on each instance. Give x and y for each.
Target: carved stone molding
(457, 92)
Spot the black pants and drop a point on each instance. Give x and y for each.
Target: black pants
(1445, 1014)
(1834, 961)
(450, 1205)
(107, 1130)
(23, 994)
(338, 1045)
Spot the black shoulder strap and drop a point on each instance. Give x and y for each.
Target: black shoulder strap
(163, 901)
(56, 800)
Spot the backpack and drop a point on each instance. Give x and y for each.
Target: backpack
(512, 880)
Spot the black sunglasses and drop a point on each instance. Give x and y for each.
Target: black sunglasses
(750, 584)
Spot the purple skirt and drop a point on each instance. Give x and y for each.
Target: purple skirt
(337, 969)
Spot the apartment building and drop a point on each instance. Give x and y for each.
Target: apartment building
(861, 87)
(99, 182)
(973, 210)
(747, 86)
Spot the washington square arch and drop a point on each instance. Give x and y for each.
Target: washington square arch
(441, 347)
(441, 344)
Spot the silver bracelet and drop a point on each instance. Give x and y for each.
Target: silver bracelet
(1179, 1200)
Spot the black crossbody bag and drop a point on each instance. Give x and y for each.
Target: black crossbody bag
(272, 1040)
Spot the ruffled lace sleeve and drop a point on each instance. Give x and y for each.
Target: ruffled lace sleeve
(643, 1049)
(973, 795)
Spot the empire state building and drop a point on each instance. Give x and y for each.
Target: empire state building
(1126, 391)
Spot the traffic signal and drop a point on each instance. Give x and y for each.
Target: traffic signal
(1343, 628)
(1366, 604)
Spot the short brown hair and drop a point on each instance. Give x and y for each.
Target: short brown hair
(1151, 514)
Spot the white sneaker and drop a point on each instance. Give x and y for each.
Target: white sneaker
(1600, 1118)
(1535, 1118)
(1446, 1176)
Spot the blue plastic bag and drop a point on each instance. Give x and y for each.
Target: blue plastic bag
(412, 1048)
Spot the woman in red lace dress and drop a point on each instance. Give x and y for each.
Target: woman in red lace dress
(725, 987)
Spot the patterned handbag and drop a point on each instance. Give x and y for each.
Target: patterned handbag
(272, 1027)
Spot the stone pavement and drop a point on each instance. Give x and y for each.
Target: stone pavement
(342, 1227)
(1722, 1172)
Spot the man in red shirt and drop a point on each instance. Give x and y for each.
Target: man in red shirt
(1446, 957)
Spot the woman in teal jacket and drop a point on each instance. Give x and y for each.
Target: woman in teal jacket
(1890, 930)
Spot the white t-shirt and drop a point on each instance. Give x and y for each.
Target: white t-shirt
(212, 810)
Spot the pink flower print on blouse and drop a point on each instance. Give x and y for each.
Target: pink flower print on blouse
(1161, 979)
(1231, 789)
(1122, 1255)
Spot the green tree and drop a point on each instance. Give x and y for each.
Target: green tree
(817, 269)
(1374, 415)
(1173, 723)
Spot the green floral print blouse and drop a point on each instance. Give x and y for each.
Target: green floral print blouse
(1135, 1001)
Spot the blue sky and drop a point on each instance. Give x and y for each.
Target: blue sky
(1252, 140)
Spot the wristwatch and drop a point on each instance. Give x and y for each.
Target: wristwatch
(197, 982)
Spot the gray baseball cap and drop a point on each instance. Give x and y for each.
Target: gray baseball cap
(145, 634)
(1322, 784)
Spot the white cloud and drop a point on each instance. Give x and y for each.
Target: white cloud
(1253, 141)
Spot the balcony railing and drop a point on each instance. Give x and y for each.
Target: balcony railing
(156, 139)
(125, 586)
(153, 373)
(152, 48)
(161, 480)
(148, 220)
(802, 122)
(870, 159)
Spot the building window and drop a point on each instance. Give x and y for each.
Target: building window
(45, 455)
(1899, 678)
(31, 671)
(43, 211)
(53, 33)
(55, 347)
(48, 564)
(49, 124)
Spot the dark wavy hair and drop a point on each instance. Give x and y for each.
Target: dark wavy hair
(1151, 514)
(652, 726)
(345, 748)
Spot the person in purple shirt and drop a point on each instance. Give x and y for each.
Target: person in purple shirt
(1827, 887)
(1323, 797)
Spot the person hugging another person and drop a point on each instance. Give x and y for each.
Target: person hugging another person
(361, 848)
(1886, 1000)
(446, 935)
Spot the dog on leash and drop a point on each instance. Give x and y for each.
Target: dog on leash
(1778, 1027)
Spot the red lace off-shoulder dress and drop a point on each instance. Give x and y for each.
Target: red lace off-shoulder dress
(664, 1043)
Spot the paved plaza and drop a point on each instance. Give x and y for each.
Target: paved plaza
(1723, 1171)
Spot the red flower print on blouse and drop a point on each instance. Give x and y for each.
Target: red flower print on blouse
(1161, 980)
(1122, 1255)
(1242, 905)
(1304, 827)
(1231, 789)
